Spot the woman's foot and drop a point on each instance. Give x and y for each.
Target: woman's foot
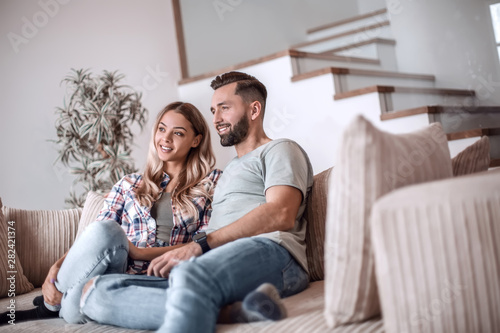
(40, 312)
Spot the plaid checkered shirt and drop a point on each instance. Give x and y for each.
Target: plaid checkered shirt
(121, 205)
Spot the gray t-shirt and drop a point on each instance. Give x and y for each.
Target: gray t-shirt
(245, 180)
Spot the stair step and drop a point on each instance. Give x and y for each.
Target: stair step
(472, 133)
(411, 90)
(348, 20)
(436, 109)
(363, 72)
(331, 57)
(458, 141)
(460, 121)
(495, 163)
(463, 125)
(305, 62)
(359, 44)
(349, 24)
(346, 79)
(377, 30)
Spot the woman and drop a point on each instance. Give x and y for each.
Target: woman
(159, 210)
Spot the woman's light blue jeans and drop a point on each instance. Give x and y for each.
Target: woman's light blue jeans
(101, 249)
(190, 300)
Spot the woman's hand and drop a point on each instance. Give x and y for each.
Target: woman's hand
(134, 252)
(50, 293)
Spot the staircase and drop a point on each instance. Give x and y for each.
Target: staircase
(347, 68)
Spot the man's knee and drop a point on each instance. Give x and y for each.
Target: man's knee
(192, 275)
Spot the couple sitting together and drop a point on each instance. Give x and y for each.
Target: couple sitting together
(199, 247)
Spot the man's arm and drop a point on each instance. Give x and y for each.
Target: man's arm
(277, 214)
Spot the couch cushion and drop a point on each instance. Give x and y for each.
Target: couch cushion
(371, 164)
(93, 205)
(475, 158)
(43, 237)
(9, 260)
(305, 314)
(438, 255)
(315, 215)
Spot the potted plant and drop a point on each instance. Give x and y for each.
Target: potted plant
(94, 134)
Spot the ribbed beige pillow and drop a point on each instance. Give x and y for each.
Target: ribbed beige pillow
(93, 205)
(14, 282)
(371, 164)
(437, 251)
(475, 158)
(315, 216)
(43, 237)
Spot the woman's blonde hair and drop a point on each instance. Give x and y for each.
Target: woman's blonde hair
(199, 162)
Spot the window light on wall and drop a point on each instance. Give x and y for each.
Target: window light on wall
(495, 17)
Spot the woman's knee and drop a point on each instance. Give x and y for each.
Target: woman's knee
(107, 231)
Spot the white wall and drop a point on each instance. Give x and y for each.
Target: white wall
(134, 37)
(365, 6)
(452, 39)
(219, 33)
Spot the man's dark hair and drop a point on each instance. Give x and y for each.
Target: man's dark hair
(248, 87)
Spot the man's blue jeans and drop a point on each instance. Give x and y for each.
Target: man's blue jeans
(190, 300)
(101, 249)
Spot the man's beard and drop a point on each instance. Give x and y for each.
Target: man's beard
(237, 134)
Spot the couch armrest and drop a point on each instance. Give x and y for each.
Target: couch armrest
(437, 255)
(42, 237)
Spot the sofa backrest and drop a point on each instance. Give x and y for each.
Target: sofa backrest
(42, 237)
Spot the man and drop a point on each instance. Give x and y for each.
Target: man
(256, 233)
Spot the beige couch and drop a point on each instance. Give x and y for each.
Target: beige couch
(433, 247)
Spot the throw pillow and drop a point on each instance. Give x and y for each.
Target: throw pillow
(93, 205)
(43, 237)
(437, 255)
(475, 158)
(315, 216)
(370, 164)
(14, 282)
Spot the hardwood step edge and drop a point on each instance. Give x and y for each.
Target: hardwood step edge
(347, 20)
(395, 89)
(472, 133)
(494, 163)
(311, 55)
(366, 42)
(436, 109)
(362, 72)
(343, 34)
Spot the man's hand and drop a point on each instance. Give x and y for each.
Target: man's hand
(162, 265)
(50, 293)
